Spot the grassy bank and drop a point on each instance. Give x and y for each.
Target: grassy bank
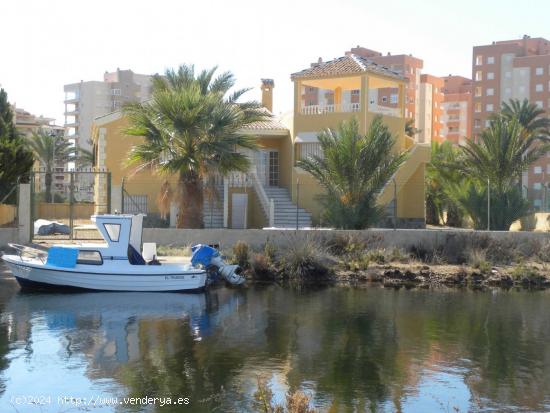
(473, 260)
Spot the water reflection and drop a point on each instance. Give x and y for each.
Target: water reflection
(351, 349)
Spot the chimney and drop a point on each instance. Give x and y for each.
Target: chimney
(267, 93)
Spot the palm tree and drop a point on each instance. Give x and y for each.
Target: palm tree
(192, 127)
(441, 173)
(503, 152)
(85, 157)
(353, 170)
(496, 162)
(529, 115)
(49, 149)
(410, 130)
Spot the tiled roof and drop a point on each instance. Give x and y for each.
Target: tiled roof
(271, 124)
(268, 124)
(349, 64)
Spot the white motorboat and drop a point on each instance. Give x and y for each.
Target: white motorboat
(115, 265)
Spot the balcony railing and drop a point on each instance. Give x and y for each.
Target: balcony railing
(384, 110)
(338, 108)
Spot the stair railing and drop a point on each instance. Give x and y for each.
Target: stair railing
(267, 204)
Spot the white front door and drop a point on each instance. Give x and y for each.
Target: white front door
(239, 206)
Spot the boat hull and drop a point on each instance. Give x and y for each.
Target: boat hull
(43, 277)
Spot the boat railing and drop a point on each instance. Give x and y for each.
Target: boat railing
(30, 252)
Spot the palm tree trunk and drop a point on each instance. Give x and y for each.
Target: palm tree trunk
(48, 184)
(190, 198)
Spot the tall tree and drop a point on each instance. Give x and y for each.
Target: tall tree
(495, 163)
(50, 149)
(528, 115)
(353, 169)
(15, 159)
(441, 173)
(192, 127)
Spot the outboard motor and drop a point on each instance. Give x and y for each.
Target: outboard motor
(208, 256)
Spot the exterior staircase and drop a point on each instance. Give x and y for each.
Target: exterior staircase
(212, 214)
(285, 209)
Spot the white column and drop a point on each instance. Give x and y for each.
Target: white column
(225, 202)
(173, 214)
(24, 213)
(116, 199)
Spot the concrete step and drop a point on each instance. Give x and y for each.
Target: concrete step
(291, 211)
(291, 214)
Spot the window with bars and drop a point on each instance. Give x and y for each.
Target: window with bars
(305, 150)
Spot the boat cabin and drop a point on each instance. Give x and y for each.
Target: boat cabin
(122, 235)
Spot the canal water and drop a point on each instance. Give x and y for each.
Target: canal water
(349, 349)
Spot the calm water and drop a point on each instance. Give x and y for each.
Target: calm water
(350, 349)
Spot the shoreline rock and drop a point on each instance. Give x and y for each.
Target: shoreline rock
(401, 275)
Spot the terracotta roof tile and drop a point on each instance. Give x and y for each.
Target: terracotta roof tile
(269, 124)
(349, 64)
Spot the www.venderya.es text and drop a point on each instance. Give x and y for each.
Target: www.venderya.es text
(95, 400)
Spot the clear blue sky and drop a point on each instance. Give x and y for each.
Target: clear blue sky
(49, 43)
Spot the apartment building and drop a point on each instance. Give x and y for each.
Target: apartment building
(85, 101)
(457, 106)
(430, 109)
(514, 69)
(26, 124)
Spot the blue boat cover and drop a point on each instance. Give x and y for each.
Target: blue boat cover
(203, 254)
(62, 257)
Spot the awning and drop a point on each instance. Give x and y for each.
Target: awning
(307, 137)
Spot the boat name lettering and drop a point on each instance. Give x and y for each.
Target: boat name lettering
(174, 277)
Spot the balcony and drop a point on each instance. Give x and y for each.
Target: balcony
(337, 108)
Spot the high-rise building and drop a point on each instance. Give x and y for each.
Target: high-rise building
(457, 107)
(430, 109)
(26, 124)
(423, 95)
(85, 101)
(510, 69)
(514, 69)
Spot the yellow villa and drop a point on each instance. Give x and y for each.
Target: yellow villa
(275, 192)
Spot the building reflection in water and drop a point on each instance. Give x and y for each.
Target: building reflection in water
(362, 349)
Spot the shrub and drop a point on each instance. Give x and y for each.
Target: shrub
(378, 256)
(477, 259)
(398, 255)
(427, 254)
(174, 251)
(345, 244)
(524, 272)
(359, 263)
(502, 251)
(305, 259)
(261, 267)
(270, 251)
(544, 251)
(241, 253)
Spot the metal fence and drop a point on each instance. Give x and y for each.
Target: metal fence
(62, 202)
